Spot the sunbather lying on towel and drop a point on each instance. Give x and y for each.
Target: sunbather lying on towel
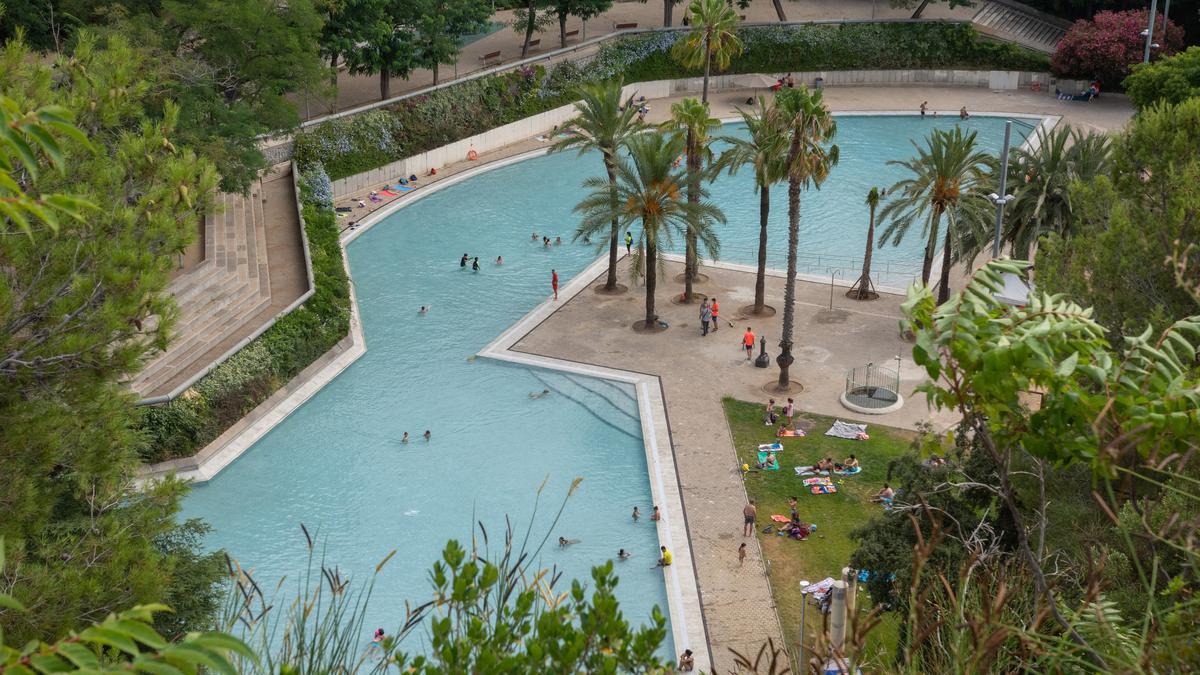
(785, 432)
(849, 466)
(823, 466)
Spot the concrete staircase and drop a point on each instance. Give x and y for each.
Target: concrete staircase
(1025, 25)
(225, 296)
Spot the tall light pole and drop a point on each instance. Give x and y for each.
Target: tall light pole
(803, 625)
(997, 199)
(1150, 31)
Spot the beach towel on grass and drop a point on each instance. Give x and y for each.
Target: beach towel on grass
(819, 480)
(770, 447)
(823, 489)
(842, 429)
(780, 519)
(762, 458)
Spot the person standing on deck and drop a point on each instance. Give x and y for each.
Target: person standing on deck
(748, 343)
(554, 282)
(716, 316)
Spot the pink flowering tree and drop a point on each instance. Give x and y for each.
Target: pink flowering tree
(1107, 46)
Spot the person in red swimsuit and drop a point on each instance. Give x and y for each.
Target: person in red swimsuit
(554, 282)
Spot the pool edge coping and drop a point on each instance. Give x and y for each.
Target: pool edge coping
(684, 596)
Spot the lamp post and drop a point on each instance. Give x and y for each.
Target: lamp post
(996, 198)
(803, 625)
(1150, 31)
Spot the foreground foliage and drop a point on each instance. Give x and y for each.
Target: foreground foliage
(82, 303)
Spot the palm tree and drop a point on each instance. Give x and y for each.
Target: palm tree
(713, 37)
(603, 125)
(690, 122)
(765, 150)
(649, 190)
(1044, 178)
(864, 289)
(810, 157)
(949, 172)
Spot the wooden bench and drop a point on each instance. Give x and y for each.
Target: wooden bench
(623, 26)
(494, 56)
(572, 33)
(535, 43)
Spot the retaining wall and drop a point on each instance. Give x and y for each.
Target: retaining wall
(543, 123)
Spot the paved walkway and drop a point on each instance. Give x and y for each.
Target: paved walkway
(696, 372)
(356, 90)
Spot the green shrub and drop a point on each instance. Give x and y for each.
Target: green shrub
(234, 388)
(363, 142)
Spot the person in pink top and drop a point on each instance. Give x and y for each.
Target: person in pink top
(554, 282)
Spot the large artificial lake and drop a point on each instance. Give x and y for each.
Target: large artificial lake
(337, 464)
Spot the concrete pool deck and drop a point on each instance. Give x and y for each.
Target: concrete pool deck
(695, 372)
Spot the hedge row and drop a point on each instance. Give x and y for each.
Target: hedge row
(352, 145)
(234, 388)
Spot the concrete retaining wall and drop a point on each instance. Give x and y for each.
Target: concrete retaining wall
(545, 122)
(455, 152)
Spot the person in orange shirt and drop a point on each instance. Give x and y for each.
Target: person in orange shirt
(716, 315)
(748, 343)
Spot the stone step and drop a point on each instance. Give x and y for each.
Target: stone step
(218, 300)
(1024, 26)
(184, 358)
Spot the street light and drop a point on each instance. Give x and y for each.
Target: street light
(1150, 31)
(803, 626)
(997, 199)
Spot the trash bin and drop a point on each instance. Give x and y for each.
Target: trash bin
(819, 83)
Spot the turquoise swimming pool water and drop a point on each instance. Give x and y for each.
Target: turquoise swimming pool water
(337, 464)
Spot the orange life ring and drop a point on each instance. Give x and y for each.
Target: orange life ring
(472, 155)
(1036, 86)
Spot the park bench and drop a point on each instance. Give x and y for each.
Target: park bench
(493, 56)
(572, 33)
(623, 26)
(534, 43)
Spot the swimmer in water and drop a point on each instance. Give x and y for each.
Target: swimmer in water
(557, 241)
(475, 264)
(534, 236)
(463, 261)
(404, 438)
(545, 242)
(563, 542)
(424, 309)
(636, 514)
(499, 260)
(539, 394)
(428, 435)
(623, 554)
(656, 515)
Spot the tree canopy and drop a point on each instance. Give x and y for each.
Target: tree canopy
(1173, 79)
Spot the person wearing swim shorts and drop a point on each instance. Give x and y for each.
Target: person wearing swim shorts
(748, 343)
(716, 314)
(749, 513)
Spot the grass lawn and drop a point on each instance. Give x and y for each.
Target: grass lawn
(828, 549)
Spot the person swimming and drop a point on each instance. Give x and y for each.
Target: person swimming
(533, 237)
(475, 264)
(463, 261)
(424, 309)
(656, 515)
(563, 542)
(428, 435)
(499, 260)
(545, 242)
(636, 514)
(557, 241)
(623, 554)
(404, 438)
(539, 394)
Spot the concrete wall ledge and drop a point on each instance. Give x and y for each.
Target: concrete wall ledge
(547, 122)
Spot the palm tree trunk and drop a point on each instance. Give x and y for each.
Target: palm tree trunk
(944, 284)
(651, 261)
(610, 284)
(691, 257)
(789, 289)
(760, 282)
(865, 280)
(707, 68)
(385, 83)
(931, 245)
(779, 10)
(530, 18)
